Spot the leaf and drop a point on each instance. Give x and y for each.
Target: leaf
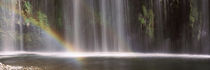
(142, 20)
(144, 10)
(28, 7)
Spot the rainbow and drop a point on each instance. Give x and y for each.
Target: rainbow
(70, 47)
(51, 32)
(54, 34)
(45, 28)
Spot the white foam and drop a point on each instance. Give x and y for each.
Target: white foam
(108, 54)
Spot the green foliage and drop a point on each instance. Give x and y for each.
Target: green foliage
(192, 19)
(144, 10)
(27, 20)
(193, 13)
(195, 19)
(151, 23)
(28, 7)
(28, 11)
(142, 20)
(59, 19)
(42, 18)
(33, 17)
(147, 20)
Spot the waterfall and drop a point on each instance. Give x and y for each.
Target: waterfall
(77, 23)
(9, 20)
(112, 22)
(89, 34)
(177, 26)
(20, 29)
(205, 26)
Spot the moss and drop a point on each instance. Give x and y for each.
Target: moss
(147, 20)
(195, 19)
(144, 10)
(142, 20)
(192, 19)
(38, 18)
(28, 7)
(42, 18)
(193, 13)
(151, 23)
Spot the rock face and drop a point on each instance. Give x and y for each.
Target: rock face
(10, 67)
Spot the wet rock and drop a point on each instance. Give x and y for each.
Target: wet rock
(10, 67)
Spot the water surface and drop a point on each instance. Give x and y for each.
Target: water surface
(37, 62)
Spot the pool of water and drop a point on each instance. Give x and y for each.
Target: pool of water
(38, 62)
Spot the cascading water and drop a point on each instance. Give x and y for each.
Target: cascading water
(91, 35)
(105, 26)
(106, 34)
(77, 25)
(11, 39)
